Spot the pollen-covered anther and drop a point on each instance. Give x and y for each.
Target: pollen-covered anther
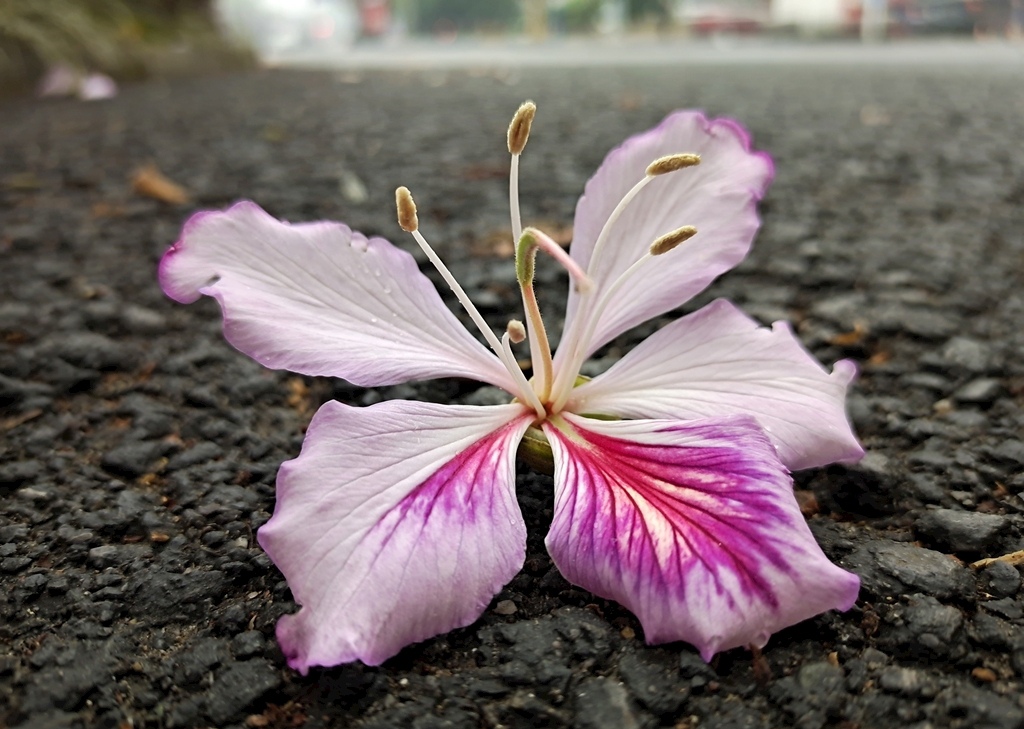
(671, 163)
(516, 331)
(407, 218)
(670, 240)
(519, 129)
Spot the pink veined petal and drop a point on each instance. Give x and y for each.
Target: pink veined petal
(692, 526)
(397, 522)
(321, 299)
(717, 361)
(719, 197)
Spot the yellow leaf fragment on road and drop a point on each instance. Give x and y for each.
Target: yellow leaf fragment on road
(148, 181)
(1013, 558)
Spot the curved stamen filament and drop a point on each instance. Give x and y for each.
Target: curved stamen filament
(572, 337)
(662, 245)
(409, 222)
(565, 384)
(527, 393)
(616, 213)
(531, 241)
(575, 338)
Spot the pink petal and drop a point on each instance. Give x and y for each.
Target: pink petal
(59, 80)
(719, 197)
(321, 299)
(396, 523)
(692, 526)
(96, 87)
(717, 362)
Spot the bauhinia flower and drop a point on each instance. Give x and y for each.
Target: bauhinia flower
(398, 521)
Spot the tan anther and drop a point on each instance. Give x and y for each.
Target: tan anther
(407, 217)
(516, 331)
(671, 163)
(519, 129)
(670, 240)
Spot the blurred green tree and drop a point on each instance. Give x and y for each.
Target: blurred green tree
(78, 32)
(106, 35)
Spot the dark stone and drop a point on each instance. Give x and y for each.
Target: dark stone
(602, 703)
(696, 669)
(134, 458)
(967, 354)
(16, 473)
(80, 667)
(653, 678)
(960, 531)
(104, 556)
(248, 644)
(813, 697)
(992, 632)
(933, 455)
(168, 596)
(239, 687)
(908, 682)
(1009, 451)
(926, 487)
(15, 391)
(923, 629)
(199, 453)
(1000, 579)
(540, 652)
(192, 666)
(1005, 607)
(66, 377)
(921, 322)
(10, 565)
(92, 351)
(186, 713)
(966, 706)
(889, 569)
(983, 391)
(140, 320)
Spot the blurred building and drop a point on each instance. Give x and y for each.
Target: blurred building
(816, 15)
(272, 27)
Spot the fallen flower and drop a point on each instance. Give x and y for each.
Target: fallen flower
(398, 521)
(62, 80)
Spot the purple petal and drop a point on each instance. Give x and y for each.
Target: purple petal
(321, 299)
(717, 362)
(692, 526)
(719, 197)
(96, 87)
(396, 523)
(59, 80)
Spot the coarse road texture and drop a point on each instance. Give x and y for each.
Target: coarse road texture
(139, 450)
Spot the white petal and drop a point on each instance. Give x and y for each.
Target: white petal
(717, 362)
(321, 299)
(718, 197)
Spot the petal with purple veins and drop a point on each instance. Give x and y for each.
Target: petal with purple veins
(692, 526)
(321, 299)
(717, 361)
(396, 523)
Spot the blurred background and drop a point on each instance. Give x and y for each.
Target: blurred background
(158, 37)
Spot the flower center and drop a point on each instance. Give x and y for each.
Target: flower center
(548, 391)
